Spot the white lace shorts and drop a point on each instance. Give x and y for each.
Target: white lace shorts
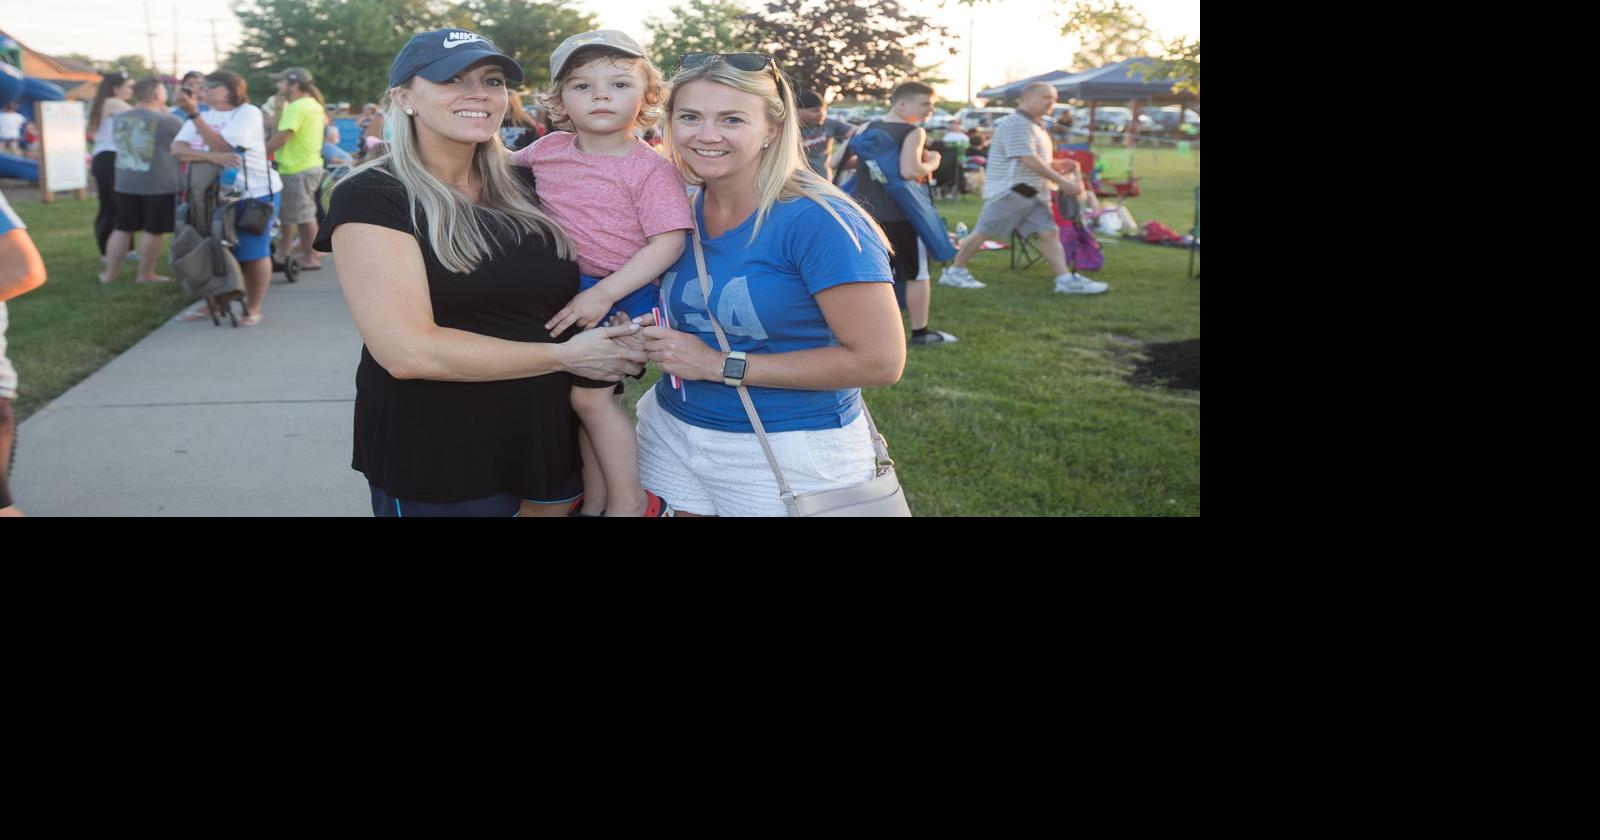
(709, 472)
(8, 374)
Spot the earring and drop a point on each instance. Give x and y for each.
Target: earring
(766, 144)
(410, 112)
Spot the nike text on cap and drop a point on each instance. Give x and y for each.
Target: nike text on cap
(614, 39)
(442, 53)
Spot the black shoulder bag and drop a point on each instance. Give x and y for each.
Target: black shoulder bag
(257, 213)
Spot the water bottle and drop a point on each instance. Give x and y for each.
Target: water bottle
(231, 179)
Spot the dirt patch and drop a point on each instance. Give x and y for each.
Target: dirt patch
(1172, 365)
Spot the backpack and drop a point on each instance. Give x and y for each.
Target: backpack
(1083, 250)
(201, 253)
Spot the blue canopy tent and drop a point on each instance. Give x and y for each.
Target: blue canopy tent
(1123, 82)
(1014, 89)
(1119, 82)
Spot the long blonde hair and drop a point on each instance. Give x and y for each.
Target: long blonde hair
(457, 231)
(783, 174)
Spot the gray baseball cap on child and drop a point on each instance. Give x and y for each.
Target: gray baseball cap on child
(615, 39)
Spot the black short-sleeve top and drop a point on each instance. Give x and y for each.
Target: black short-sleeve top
(433, 441)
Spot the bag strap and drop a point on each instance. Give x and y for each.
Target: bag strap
(879, 445)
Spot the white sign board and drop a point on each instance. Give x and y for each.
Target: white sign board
(61, 133)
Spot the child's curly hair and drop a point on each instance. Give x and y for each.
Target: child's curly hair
(655, 87)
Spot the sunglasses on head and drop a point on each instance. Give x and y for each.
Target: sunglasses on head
(749, 62)
(739, 61)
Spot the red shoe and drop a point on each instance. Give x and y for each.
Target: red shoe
(656, 506)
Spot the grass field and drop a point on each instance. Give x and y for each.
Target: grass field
(1029, 414)
(72, 326)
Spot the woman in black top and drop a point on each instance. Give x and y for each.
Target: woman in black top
(451, 272)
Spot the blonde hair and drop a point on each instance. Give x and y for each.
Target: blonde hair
(783, 174)
(655, 87)
(456, 229)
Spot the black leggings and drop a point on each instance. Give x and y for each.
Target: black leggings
(8, 437)
(105, 175)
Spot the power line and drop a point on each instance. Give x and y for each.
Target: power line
(149, 34)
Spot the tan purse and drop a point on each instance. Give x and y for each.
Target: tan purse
(878, 496)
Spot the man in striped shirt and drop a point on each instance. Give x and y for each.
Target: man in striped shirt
(1016, 194)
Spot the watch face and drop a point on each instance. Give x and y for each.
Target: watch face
(733, 368)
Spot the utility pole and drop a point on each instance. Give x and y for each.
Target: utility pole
(216, 51)
(175, 68)
(969, 55)
(149, 36)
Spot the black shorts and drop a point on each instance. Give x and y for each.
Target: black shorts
(903, 262)
(149, 213)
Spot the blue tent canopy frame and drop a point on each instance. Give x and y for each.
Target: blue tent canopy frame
(1112, 82)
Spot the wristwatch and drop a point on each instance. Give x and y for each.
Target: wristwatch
(733, 369)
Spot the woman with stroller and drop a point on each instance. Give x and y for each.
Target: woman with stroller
(232, 122)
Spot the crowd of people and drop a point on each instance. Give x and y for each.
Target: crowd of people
(508, 267)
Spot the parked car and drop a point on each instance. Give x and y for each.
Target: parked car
(1166, 120)
(1115, 118)
(981, 118)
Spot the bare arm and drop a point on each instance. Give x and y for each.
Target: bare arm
(279, 139)
(1069, 183)
(186, 153)
(911, 165)
(863, 317)
(385, 284)
(21, 267)
(593, 305)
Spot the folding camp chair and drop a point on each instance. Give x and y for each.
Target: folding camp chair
(1023, 251)
(947, 178)
(1114, 174)
(1194, 245)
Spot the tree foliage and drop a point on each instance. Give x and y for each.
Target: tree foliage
(1108, 31)
(348, 45)
(844, 47)
(697, 26)
(526, 30)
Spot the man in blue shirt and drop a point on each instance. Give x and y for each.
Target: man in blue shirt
(192, 82)
(21, 270)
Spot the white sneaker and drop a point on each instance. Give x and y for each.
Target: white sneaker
(1079, 285)
(960, 278)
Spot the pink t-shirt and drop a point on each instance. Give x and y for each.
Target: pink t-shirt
(610, 206)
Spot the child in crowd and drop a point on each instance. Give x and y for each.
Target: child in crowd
(627, 210)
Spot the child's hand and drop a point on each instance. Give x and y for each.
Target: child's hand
(587, 309)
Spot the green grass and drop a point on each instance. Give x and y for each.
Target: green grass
(1029, 414)
(72, 326)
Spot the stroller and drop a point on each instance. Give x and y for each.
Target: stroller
(283, 258)
(202, 249)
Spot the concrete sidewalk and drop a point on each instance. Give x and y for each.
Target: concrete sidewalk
(197, 420)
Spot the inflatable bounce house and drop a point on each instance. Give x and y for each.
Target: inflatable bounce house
(24, 91)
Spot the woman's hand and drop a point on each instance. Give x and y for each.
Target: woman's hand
(226, 160)
(594, 355)
(683, 355)
(632, 341)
